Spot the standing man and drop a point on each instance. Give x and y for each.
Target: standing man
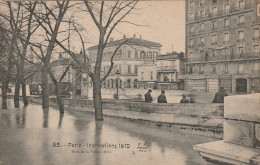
(148, 97)
(162, 97)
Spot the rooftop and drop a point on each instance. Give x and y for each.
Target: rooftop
(131, 41)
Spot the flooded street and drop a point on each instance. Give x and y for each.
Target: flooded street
(33, 136)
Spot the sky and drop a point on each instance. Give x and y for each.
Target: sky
(164, 23)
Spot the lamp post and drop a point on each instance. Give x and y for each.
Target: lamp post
(117, 85)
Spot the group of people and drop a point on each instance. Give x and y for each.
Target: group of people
(162, 98)
(219, 97)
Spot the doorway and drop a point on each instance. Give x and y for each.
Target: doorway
(241, 85)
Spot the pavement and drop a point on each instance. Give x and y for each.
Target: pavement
(31, 135)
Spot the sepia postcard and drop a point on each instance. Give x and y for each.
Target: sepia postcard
(128, 82)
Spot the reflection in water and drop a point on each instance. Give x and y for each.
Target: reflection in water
(98, 131)
(45, 117)
(60, 120)
(36, 144)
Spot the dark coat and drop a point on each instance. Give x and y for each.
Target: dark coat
(219, 97)
(148, 97)
(162, 99)
(184, 100)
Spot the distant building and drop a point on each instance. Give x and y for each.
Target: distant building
(222, 45)
(128, 58)
(168, 69)
(147, 76)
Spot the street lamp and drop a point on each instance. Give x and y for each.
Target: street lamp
(117, 85)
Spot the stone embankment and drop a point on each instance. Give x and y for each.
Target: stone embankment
(204, 119)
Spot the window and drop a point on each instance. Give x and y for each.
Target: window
(136, 54)
(191, 42)
(202, 13)
(191, 16)
(241, 4)
(191, 55)
(213, 53)
(142, 54)
(226, 50)
(201, 69)
(256, 48)
(214, 10)
(202, 27)
(255, 66)
(226, 37)
(256, 33)
(191, 29)
(201, 41)
(142, 75)
(240, 50)
(226, 23)
(136, 68)
(202, 54)
(225, 68)
(202, 2)
(120, 69)
(150, 55)
(213, 68)
(226, 8)
(214, 25)
(129, 68)
(240, 35)
(129, 54)
(151, 75)
(191, 4)
(241, 20)
(214, 39)
(240, 68)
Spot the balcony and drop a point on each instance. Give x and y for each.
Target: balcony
(167, 69)
(243, 56)
(226, 26)
(191, 46)
(201, 44)
(223, 12)
(256, 38)
(241, 24)
(240, 40)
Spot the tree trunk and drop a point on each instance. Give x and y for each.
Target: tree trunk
(97, 98)
(17, 93)
(45, 87)
(4, 95)
(59, 98)
(25, 100)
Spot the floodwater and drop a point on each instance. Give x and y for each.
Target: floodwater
(34, 136)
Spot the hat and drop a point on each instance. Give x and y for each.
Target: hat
(149, 90)
(184, 96)
(163, 91)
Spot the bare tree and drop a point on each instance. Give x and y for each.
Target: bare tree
(106, 18)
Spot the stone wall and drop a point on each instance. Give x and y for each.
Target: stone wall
(206, 119)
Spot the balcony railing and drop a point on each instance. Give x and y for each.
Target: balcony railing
(222, 12)
(167, 68)
(243, 56)
(256, 38)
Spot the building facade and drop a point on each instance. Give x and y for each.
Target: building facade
(134, 53)
(222, 45)
(168, 69)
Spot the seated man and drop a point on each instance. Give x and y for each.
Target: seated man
(148, 97)
(184, 99)
(162, 97)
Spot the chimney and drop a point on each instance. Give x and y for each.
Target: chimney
(111, 39)
(134, 36)
(124, 36)
(140, 36)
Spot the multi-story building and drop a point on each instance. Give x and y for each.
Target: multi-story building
(222, 45)
(147, 76)
(131, 55)
(168, 69)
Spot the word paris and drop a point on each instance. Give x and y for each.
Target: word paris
(91, 145)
